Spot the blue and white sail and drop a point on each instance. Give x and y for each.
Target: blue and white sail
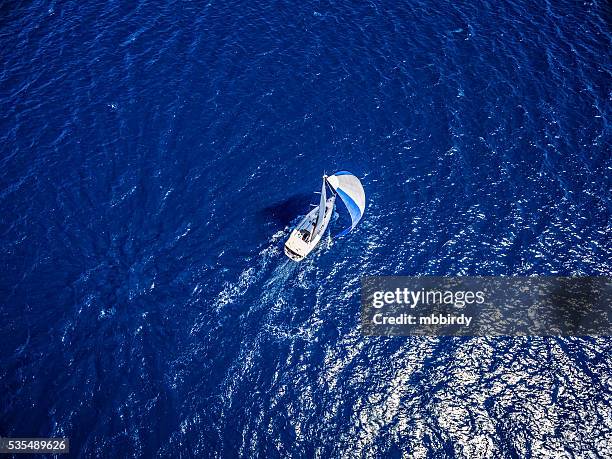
(349, 189)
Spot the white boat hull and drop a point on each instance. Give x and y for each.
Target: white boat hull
(301, 241)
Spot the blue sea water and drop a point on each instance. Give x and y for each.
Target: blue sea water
(154, 156)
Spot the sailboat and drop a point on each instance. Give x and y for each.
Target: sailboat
(307, 234)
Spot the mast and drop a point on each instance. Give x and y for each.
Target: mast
(322, 204)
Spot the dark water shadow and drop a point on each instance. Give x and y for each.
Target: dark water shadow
(284, 212)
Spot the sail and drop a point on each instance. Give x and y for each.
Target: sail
(351, 192)
(321, 214)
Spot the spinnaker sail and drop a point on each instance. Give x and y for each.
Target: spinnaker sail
(350, 190)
